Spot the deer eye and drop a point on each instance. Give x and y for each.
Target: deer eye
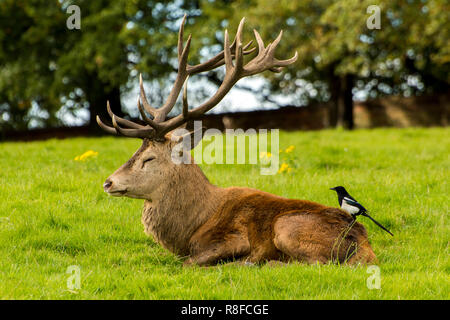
(147, 160)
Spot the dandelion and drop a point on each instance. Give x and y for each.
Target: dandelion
(284, 167)
(290, 149)
(86, 155)
(265, 155)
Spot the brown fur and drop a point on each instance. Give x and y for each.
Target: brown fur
(189, 216)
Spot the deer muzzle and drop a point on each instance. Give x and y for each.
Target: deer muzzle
(113, 189)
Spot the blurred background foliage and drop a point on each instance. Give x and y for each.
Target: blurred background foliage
(49, 73)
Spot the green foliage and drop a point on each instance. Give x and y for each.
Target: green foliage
(27, 46)
(332, 40)
(49, 66)
(54, 214)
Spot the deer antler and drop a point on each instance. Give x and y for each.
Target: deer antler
(157, 127)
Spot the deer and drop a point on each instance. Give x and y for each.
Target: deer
(205, 224)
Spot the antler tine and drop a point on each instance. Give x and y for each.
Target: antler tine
(147, 106)
(276, 42)
(238, 50)
(259, 41)
(283, 63)
(136, 131)
(182, 63)
(180, 36)
(122, 121)
(133, 133)
(265, 59)
(185, 112)
(218, 60)
(150, 122)
(105, 127)
(181, 76)
(227, 53)
(246, 52)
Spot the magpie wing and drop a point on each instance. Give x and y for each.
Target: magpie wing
(354, 203)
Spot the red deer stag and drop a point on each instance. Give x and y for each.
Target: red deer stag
(193, 218)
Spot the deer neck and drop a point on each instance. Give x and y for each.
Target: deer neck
(179, 207)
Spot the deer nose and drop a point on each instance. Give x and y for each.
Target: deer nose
(108, 183)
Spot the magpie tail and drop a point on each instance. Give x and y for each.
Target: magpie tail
(377, 223)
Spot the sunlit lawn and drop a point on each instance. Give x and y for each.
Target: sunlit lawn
(54, 214)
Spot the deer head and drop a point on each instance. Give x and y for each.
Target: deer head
(152, 165)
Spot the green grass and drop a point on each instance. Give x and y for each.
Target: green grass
(54, 214)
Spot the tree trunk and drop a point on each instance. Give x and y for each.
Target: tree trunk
(98, 94)
(345, 103)
(335, 89)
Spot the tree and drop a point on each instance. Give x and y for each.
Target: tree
(338, 52)
(47, 67)
(26, 50)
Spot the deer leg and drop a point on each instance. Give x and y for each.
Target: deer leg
(205, 258)
(211, 254)
(302, 251)
(290, 240)
(263, 253)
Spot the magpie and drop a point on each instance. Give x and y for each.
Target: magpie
(353, 207)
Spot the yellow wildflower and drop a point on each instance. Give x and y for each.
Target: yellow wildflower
(265, 155)
(284, 167)
(290, 149)
(87, 154)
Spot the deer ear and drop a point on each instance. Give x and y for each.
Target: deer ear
(190, 139)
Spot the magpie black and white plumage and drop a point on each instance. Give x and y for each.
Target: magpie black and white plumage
(353, 207)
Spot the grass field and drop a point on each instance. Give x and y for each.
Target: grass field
(54, 214)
